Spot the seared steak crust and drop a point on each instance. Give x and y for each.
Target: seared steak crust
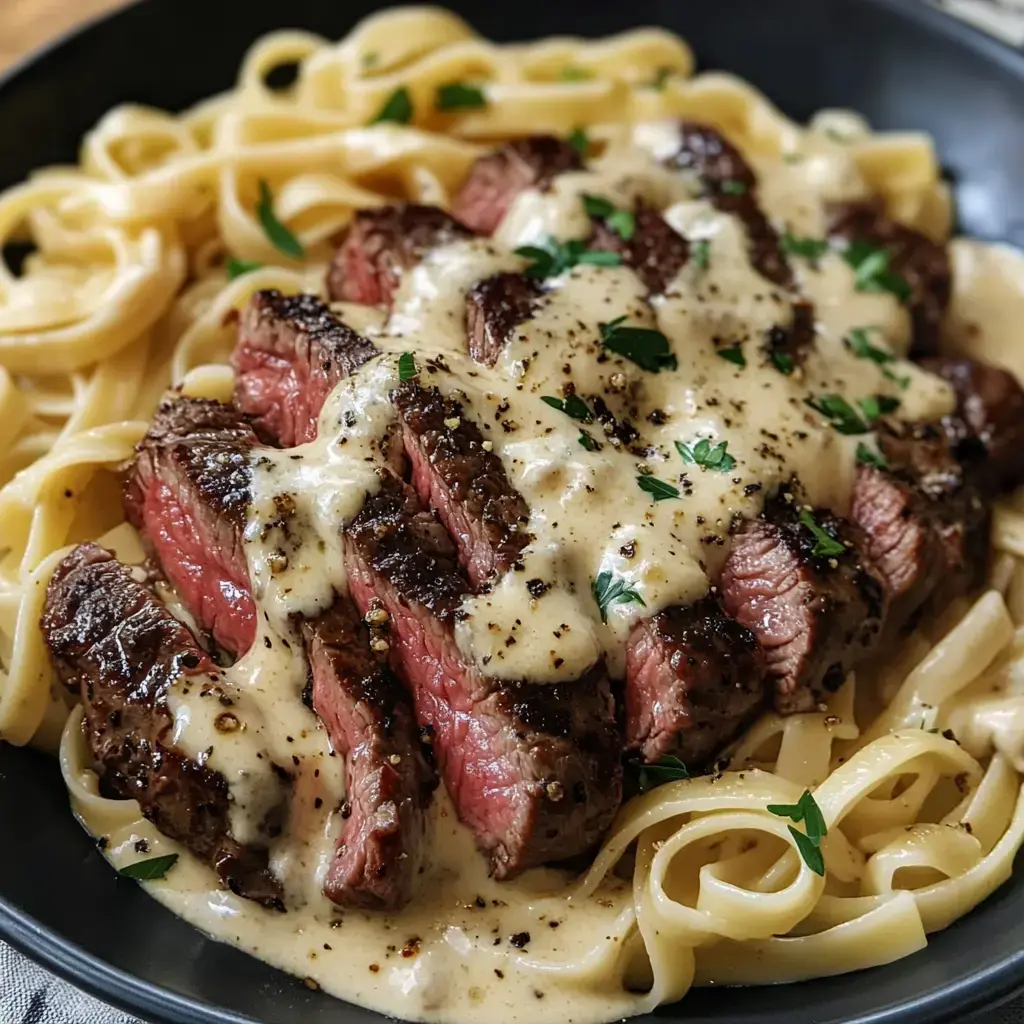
(694, 678)
(496, 179)
(291, 352)
(922, 263)
(367, 714)
(379, 245)
(655, 251)
(454, 473)
(814, 616)
(494, 308)
(534, 770)
(116, 646)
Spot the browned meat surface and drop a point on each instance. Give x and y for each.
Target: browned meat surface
(987, 432)
(455, 474)
(494, 308)
(694, 678)
(380, 245)
(188, 492)
(533, 769)
(922, 263)
(291, 352)
(116, 647)
(813, 615)
(496, 179)
(655, 251)
(367, 714)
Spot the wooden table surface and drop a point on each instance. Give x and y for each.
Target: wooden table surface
(27, 24)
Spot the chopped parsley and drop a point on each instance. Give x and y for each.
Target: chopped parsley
(783, 362)
(840, 414)
(875, 406)
(646, 347)
(733, 187)
(397, 108)
(571, 405)
(459, 96)
(580, 141)
(622, 222)
(151, 869)
(826, 546)
(808, 842)
(707, 457)
(661, 76)
(657, 489)
(554, 257)
(407, 368)
(871, 269)
(665, 769)
(280, 237)
(869, 457)
(809, 248)
(236, 268)
(733, 354)
(369, 59)
(609, 589)
(857, 341)
(700, 254)
(574, 74)
(586, 441)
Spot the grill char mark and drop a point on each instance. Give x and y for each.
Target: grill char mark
(494, 308)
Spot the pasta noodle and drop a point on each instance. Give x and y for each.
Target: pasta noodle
(126, 295)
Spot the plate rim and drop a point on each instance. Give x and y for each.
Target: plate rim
(987, 989)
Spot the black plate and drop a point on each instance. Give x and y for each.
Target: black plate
(901, 63)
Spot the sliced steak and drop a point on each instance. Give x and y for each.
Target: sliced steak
(654, 251)
(187, 493)
(291, 352)
(494, 308)
(694, 678)
(534, 770)
(496, 179)
(367, 715)
(922, 263)
(814, 616)
(118, 648)
(193, 471)
(454, 473)
(987, 432)
(379, 245)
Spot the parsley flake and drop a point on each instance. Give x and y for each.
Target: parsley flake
(459, 96)
(826, 546)
(857, 341)
(580, 141)
(808, 842)
(665, 769)
(700, 253)
(733, 354)
(657, 489)
(280, 237)
(407, 368)
(151, 869)
(609, 589)
(554, 257)
(236, 268)
(646, 347)
(622, 222)
(571, 405)
(869, 457)
(707, 457)
(661, 76)
(871, 270)
(397, 108)
(809, 248)
(733, 187)
(783, 362)
(840, 414)
(586, 441)
(875, 406)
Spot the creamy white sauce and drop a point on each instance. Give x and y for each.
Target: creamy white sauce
(450, 954)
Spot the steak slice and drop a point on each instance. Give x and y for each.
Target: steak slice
(379, 245)
(118, 648)
(292, 351)
(496, 179)
(454, 473)
(814, 616)
(654, 251)
(198, 453)
(494, 308)
(922, 263)
(367, 715)
(987, 432)
(187, 493)
(532, 769)
(694, 678)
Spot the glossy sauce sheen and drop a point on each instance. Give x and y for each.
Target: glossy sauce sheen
(469, 948)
